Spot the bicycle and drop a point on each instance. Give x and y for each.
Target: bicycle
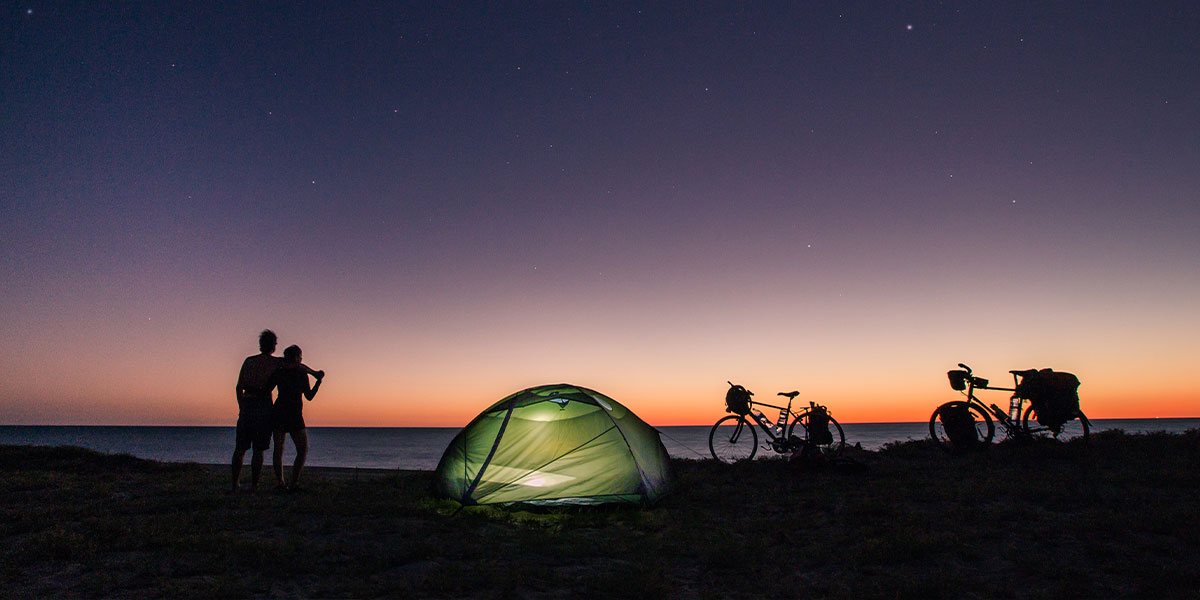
(1019, 422)
(735, 438)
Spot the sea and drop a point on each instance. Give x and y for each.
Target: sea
(420, 448)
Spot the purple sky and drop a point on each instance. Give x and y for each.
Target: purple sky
(663, 195)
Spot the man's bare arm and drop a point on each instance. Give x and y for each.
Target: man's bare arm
(239, 389)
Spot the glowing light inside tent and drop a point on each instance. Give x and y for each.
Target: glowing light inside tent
(543, 411)
(525, 477)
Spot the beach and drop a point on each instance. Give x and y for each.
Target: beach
(1112, 518)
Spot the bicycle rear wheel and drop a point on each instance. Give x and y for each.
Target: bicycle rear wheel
(733, 438)
(1077, 428)
(985, 430)
(837, 440)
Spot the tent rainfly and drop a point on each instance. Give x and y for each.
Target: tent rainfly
(555, 444)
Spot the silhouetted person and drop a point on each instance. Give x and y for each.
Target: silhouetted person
(254, 407)
(287, 414)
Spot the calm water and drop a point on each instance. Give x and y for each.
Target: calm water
(421, 447)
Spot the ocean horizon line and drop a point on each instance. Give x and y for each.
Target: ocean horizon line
(232, 424)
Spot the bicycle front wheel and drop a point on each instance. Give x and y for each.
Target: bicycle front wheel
(1076, 428)
(985, 430)
(732, 439)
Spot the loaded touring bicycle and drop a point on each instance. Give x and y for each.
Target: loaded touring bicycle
(735, 437)
(1053, 409)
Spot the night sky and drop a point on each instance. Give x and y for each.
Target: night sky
(444, 203)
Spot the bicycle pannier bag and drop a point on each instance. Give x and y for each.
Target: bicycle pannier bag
(959, 423)
(1054, 396)
(818, 427)
(737, 400)
(1030, 386)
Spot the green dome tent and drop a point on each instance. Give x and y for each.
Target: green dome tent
(555, 444)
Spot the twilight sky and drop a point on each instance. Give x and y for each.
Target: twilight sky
(444, 203)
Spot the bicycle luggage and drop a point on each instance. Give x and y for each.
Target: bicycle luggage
(818, 427)
(958, 380)
(737, 400)
(1054, 396)
(959, 423)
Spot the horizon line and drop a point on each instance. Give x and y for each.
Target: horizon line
(465, 424)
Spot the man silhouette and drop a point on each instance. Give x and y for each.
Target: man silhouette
(254, 408)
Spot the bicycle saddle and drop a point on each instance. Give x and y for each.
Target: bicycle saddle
(789, 395)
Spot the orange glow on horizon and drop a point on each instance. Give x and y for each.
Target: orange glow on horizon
(358, 409)
(865, 367)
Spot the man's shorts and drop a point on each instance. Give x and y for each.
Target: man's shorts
(254, 431)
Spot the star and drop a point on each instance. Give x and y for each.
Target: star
(908, 27)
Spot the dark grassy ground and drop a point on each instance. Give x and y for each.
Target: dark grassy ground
(1117, 518)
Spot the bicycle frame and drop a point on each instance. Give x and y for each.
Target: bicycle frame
(1010, 419)
(767, 425)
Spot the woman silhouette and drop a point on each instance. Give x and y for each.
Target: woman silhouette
(287, 413)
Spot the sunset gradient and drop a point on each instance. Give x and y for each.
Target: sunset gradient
(446, 204)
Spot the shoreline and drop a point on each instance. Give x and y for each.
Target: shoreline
(417, 449)
(338, 473)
